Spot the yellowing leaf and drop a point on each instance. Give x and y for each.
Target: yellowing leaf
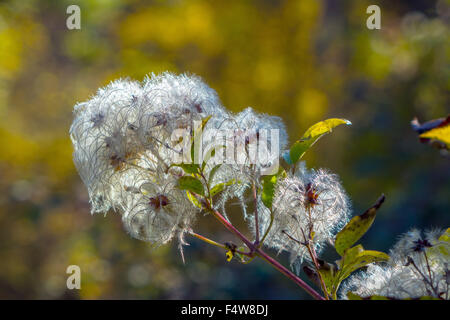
(311, 135)
(445, 236)
(439, 133)
(221, 186)
(323, 127)
(444, 244)
(193, 199)
(229, 255)
(356, 228)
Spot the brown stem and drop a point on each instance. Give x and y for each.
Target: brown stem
(265, 256)
(215, 243)
(312, 253)
(428, 267)
(427, 281)
(313, 256)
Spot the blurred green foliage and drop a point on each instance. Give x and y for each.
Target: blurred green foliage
(302, 60)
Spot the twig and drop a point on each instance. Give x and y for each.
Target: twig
(259, 252)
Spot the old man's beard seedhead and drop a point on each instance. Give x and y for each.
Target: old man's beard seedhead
(419, 266)
(128, 141)
(156, 211)
(124, 153)
(309, 206)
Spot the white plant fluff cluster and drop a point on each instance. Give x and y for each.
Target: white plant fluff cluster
(308, 203)
(124, 153)
(419, 266)
(128, 155)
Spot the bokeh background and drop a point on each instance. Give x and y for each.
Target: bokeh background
(301, 60)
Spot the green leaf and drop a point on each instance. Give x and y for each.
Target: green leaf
(191, 184)
(352, 296)
(355, 261)
(221, 186)
(212, 173)
(356, 228)
(268, 183)
(188, 167)
(209, 154)
(217, 188)
(268, 186)
(349, 255)
(310, 137)
(327, 272)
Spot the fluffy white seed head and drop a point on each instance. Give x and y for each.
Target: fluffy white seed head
(124, 150)
(419, 266)
(261, 138)
(310, 203)
(156, 210)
